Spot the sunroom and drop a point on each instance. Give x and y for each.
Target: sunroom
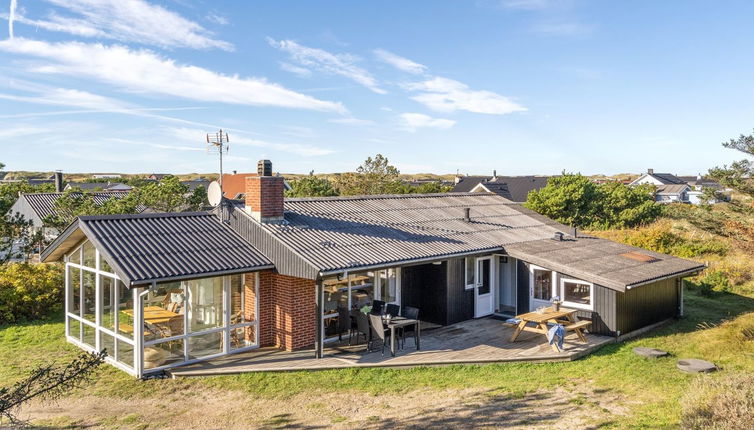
(159, 290)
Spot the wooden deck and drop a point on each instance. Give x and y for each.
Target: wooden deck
(483, 340)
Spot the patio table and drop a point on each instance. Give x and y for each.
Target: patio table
(397, 322)
(154, 314)
(562, 316)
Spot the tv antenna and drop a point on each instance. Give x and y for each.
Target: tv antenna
(218, 142)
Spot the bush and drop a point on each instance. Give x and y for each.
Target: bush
(714, 402)
(714, 281)
(659, 237)
(30, 291)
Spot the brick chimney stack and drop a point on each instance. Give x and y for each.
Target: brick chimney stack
(264, 194)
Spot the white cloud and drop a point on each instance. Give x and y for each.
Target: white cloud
(128, 21)
(400, 63)
(413, 121)
(218, 19)
(190, 135)
(561, 28)
(147, 72)
(21, 131)
(326, 62)
(448, 95)
(71, 98)
(351, 121)
(12, 17)
(301, 72)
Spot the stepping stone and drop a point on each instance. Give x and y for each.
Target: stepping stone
(649, 352)
(694, 365)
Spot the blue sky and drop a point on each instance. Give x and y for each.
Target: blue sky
(521, 86)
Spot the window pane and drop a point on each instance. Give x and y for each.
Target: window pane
(125, 353)
(542, 284)
(242, 337)
(107, 343)
(163, 311)
(388, 285)
(362, 289)
(205, 303)
(205, 344)
(75, 256)
(75, 328)
(576, 293)
(89, 335)
(103, 266)
(470, 271)
(89, 255)
(90, 298)
(163, 354)
(74, 280)
(124, 299)
(242, 298)
(107, 305)
(484, 283)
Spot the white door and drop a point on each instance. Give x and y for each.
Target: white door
(483, 300)
(541, 286)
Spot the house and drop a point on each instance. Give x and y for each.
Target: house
(514, 188)
(98, 186)
(157, 176)
(163, 290)
(106, 176)
(196, 183)
(672, 188)
(234, 184)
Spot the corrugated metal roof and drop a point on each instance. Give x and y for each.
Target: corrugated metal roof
(43, 204)
(600, 261)
(667, 178)
(339, 233)
(155, 247)
(671, 189)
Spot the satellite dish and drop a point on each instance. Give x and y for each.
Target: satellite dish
(214, 193)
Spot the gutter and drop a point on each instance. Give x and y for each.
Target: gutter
(686, 273)
(404, 262)
(144, 282)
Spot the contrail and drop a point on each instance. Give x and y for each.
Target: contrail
(11, 17)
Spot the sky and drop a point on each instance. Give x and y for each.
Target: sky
(517, 86)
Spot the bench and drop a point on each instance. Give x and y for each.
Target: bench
(578, 327)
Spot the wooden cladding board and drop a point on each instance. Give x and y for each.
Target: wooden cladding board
(460, 301)
(647, 304)
(424, 286)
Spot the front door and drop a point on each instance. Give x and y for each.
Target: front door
(541, 287)
(483, 301)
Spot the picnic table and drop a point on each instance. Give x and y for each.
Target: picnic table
(154, 314)
(566, 317)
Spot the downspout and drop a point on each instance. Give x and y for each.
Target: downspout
(320, 299)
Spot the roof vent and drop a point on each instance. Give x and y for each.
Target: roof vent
(558, 236)
(467, 214)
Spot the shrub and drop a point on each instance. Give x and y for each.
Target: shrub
(715, 281)
(659, 237)
(30, 291)
(719, 402)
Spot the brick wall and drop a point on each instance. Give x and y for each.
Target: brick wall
(287, 311)
(264, 197)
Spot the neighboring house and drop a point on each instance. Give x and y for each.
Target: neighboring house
(162, 290)
(197, 183)
(672, 188)
(36, 207)
(234, 184)
(157, 176)
(98, 186)
(514, 188)
(106, 176)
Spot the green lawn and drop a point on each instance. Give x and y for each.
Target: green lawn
(652, 387)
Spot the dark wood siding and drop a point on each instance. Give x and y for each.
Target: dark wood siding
(646, 305)
(603, 316)
(425, 287)
(523, 287)
(460, 302)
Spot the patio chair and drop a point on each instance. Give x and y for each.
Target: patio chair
(378, 330)
(345, 323)
(362, 327)
(392, 309)
(377, 306)
(413, 314)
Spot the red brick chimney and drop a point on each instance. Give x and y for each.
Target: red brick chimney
(264, 194)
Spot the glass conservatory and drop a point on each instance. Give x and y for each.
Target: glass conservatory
(148, 329)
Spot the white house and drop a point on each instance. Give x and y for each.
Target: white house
(672, 188)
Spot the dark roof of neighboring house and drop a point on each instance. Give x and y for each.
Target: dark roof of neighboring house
(88, 186)
(667, 178)
(672, 188)
(38, 206)
(194, 184)
(158, 176)
(601, 261)
(499, 188)
(515, 188)
(467, 183)
(159, 247)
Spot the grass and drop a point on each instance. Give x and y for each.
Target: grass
(717, 329)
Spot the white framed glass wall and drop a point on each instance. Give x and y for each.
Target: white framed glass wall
(99, 308)
(182, 321)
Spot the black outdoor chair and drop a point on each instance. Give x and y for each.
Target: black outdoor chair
(379, 331)
(377, 306)
(362, 327)
(392, 309)
(345, 323)
(413, 314)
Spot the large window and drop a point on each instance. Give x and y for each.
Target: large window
(576, 293)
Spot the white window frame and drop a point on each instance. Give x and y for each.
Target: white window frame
(572, 304)
(468, 285)
(381, 274)
(553, 281)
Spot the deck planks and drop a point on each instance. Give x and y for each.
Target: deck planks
(483, 340)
